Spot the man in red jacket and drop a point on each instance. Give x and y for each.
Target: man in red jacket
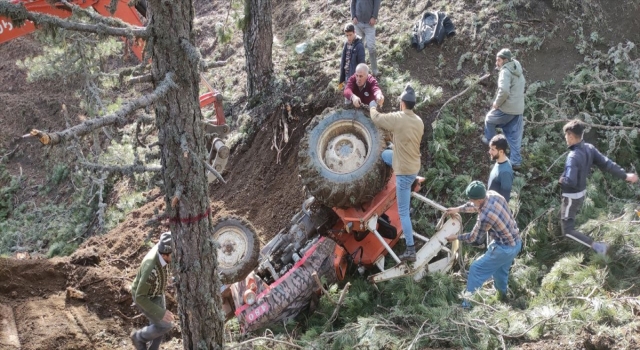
(362, 87)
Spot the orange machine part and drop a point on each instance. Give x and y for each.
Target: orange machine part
(366, 251)
(128, 14)
(340, 262)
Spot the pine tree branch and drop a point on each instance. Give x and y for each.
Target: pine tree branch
(124, 170)
(109, 21)
(19, 14)
(206, 65)
(119, 118)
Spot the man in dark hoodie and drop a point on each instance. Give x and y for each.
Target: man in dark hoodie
(147, 291)
(573, 181)
(508, 106)
(364, 14)
(352, 55)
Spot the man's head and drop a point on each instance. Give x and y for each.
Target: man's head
(408, 98)
(362, 73)
(498, 147)
(350, 32)
(503, 57)
(164, 246)
(476, 192)
(573, 132)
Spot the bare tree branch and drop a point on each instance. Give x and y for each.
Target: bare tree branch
(597, 126)
(117, 118)
(19, 14)
(462, 93)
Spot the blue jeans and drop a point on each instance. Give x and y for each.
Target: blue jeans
(512, 126)
(495, 262)
(403, 197)
(156, 329)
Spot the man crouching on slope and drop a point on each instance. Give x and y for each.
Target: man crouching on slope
(147, 291)
(407, 129)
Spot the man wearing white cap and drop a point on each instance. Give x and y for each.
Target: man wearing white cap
(147, 291)
(407, 129)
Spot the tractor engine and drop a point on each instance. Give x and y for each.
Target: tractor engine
(289, 245)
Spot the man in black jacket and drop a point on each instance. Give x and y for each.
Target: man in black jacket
(352, 55)
(573, 181)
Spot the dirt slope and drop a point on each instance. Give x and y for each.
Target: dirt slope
(33, 293)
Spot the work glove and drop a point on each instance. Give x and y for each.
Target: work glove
(341, 86)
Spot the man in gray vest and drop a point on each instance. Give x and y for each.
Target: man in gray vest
(508, 106)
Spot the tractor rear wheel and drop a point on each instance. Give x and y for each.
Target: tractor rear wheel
(238, 250)
(339, 158)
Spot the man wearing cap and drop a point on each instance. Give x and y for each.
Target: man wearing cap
(364, 15)
(407, 129)
(495, 219)
(508, 106)
(147, 291)
(582, 156)
(362, 88)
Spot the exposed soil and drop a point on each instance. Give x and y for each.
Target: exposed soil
(34, 294)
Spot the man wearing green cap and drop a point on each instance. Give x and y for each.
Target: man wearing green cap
(495, 219)
(407, 129)
(508, 106)
(147, 291)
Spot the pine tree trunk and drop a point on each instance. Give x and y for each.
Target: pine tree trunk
(258, 40)
(181, 139)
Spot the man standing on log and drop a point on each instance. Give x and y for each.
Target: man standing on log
(147, 291)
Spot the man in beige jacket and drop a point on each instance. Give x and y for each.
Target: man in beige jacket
(407, 129)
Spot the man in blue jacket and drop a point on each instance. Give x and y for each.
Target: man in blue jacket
(573, 181)
(352, 54)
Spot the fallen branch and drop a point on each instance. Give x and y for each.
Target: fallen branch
(334, 316)
(324, 291)
(127, 317)
(118, 118)
(267, 339)
(109, 21)
(597, 126)
(147, 78)
(462, 93)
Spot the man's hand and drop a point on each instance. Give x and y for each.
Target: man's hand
(451, 211)
(341, 86)
(355, 20)
(451, 238)
(356, 101)
(633, 178)
(168, 316)
(560, 180)
(380, 101)
(494, 106)
(372, 21)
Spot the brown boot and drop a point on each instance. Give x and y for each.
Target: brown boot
(409, 254)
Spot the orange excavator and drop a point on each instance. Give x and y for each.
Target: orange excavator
(215, 129)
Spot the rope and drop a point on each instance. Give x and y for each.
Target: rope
(190, 219)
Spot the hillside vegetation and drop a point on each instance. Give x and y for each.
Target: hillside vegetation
(580, 60)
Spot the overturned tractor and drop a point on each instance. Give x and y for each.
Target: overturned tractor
(350, 217)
